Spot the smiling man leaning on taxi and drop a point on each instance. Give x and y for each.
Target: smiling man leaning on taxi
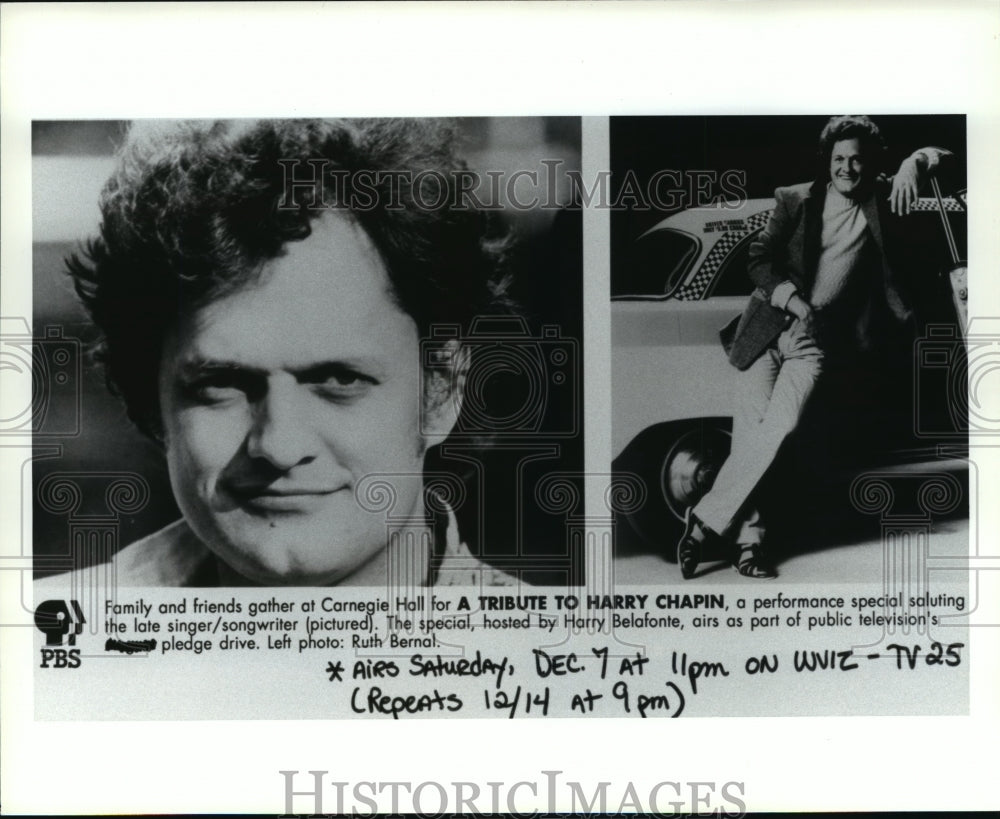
(829, 288)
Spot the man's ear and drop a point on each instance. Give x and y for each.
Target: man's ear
(444, 390)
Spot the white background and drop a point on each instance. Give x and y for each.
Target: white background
(69, 62)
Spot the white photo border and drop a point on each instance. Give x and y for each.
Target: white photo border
(84, 61)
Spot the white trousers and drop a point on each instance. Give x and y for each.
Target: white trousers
(770, 397)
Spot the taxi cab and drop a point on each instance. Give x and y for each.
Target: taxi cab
(685, 279)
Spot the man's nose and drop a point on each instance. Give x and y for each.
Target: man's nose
(280, 432)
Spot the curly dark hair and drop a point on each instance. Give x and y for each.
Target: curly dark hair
(850, 126)
(195, 210)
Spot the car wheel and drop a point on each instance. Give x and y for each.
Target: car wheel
(678, 463)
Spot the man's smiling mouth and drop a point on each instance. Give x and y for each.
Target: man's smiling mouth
(265, 499)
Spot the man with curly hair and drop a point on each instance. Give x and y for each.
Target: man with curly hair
(266, 293)
(828, 288)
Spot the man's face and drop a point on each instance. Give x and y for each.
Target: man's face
(848, 169)
(278, 399)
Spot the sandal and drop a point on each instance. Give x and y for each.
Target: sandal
(688, 546)
(750, 562)
(692, 549)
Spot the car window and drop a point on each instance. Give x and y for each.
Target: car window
(732, 279)
(658, 264)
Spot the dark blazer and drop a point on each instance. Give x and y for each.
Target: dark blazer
(788, 249)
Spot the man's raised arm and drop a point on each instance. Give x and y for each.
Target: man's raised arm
(913, 173)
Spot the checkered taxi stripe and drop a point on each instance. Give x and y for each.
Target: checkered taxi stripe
(929, 203)
(695, 289)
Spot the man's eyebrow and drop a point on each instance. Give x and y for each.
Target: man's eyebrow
(199, 366)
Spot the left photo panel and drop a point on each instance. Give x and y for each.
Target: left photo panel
(303, 353)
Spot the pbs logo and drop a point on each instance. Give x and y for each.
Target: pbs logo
(60, 622)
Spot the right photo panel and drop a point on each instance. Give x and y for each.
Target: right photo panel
(788, 371)
(790, 389)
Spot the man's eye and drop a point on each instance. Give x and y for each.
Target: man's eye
(213, 390)
(343, 384)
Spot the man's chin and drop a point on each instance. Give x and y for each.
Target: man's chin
(276, 564)
(241, 572)
(852, 190)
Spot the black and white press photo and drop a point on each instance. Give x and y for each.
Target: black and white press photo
(304, 352)
(788, 300)
(490, 373)
(310, 405)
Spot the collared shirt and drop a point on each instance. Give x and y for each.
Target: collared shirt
(176, 557)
